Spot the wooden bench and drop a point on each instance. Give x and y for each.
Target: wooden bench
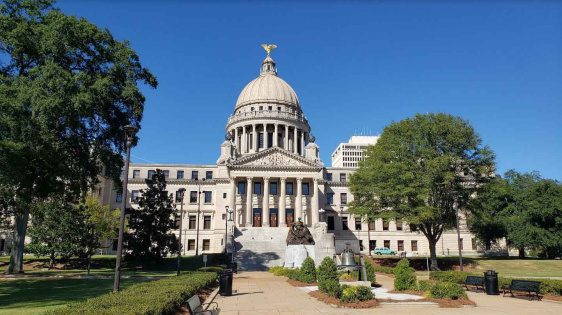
(523, 286)
(196, 307)
(477, 282)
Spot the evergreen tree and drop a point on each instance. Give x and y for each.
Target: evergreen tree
(150, 225)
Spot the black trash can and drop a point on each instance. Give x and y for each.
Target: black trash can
(225, 282)
(491, 282)
(234, 266)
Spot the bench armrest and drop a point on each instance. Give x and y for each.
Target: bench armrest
(209, 304)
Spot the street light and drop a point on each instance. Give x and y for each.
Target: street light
(181, 192)
(322, 215)
(459, 244)
(227, 217)
(198, 215)
(129, 137)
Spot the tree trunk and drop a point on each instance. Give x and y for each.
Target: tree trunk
(433, 254)
(20, 229)
(89, 263)
(521, 252)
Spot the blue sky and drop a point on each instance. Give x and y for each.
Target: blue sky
(356, 67)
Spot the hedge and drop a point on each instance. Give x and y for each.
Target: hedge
(154, 297)
(447, 290)
(548, 286)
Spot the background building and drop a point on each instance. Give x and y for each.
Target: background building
(349, 154)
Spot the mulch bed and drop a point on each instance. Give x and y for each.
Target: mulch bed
(296, 283)
(336, 302)
(445, 303)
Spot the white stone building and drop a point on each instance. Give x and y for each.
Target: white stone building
(348, 154)
(270, 173)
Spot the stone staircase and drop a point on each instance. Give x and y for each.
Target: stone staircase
(258, 248)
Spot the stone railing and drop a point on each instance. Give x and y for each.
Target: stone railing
(266, 114)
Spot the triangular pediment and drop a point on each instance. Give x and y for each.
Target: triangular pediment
(275, 158)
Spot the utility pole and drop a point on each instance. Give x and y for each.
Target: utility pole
(181, 194)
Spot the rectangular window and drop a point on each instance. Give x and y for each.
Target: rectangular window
(209, 175)
(329, 198)
(119, 196)
(178, 196)
(135, 194)
(474, 247)
(207, 222)
(289, 189)
(414, 245)
(384, 225)
(371, 226)
(208, 196)
(399, 225)
(305, 189)
(176, 221)
(328, 177)
(372, 245)
(331, 225)
(192, 222)
(223, 195)
(206, 245)
(400, 245)
(166, 174)
(241, 188)
(190, 244)
(343, 177)
(180, 174)
(461, 244)
(136, 173)
(361, 247)
(257, 188)
(358, 224)
(344, 225)
(260, 140)
(192, 197)
(195, 175)
(343, 198)
(273, 188)
(150, 174)
(387, 243)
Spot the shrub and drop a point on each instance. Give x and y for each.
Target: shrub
(449, 276)
(364, 293)
(156, 297)
(327, 270)
(425, 285)
(404, 276)
(347, 277)
(370, 272)
(446, 290)
(293, 274)
(307, 272)
(348, 294)
(383, 269)
(330, 287)
(276, 270)
(211, 269)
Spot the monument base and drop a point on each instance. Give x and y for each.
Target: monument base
(296, 254)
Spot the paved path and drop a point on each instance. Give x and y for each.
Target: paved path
(263, 293)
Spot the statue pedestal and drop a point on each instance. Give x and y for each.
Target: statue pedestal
(296, 254)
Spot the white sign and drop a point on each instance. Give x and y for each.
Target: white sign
(204, 258)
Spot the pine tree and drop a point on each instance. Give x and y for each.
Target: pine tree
(150, 225)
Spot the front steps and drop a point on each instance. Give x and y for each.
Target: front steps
(258, 248)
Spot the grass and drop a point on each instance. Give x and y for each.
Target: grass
(43, 289)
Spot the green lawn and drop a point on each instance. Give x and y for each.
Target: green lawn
(520, 267)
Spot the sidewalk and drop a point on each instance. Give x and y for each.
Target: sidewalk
(263, 293)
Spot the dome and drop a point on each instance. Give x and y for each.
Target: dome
(268, 88)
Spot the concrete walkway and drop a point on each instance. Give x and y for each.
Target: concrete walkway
(263, 293)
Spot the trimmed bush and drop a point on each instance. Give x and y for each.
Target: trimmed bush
(425, 285)
(449, 276)
(211, 269)
(156, 297)
(307, 272)
(330, 287)
(404, 276)
(447, 290)
(348, 294)
(347, 276)
(328, 270)
(370, 272)
(383, 269)
(364, 293)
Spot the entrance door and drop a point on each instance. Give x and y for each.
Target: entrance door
(273, 217)
(290, 217)
(257, 217)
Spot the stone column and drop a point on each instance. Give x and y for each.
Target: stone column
(244, 140)
(282, 206)
(286, 138)
(275, 136)
(236, 142)
(298, 200)
(249, 202)
(302, 142)
(295, 143)
(255, 133)
(265, 207)
(232, 201)
(314, 203)
(265, 138)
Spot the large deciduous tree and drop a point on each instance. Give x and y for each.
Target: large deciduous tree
(67, 89)
(150, 237)
(420, 171)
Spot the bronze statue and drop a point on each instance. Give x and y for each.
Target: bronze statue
(299, 235)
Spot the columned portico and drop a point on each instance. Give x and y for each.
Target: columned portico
(249, 202)
(298, 200)
(282, 206)
(314, 203)
(265, 212)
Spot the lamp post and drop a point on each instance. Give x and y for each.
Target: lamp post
(459, 244)
(181, 192)
(198, 215)
(129, 136)
(322, 215)
(227, 217)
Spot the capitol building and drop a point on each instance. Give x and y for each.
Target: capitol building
(268, 176)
